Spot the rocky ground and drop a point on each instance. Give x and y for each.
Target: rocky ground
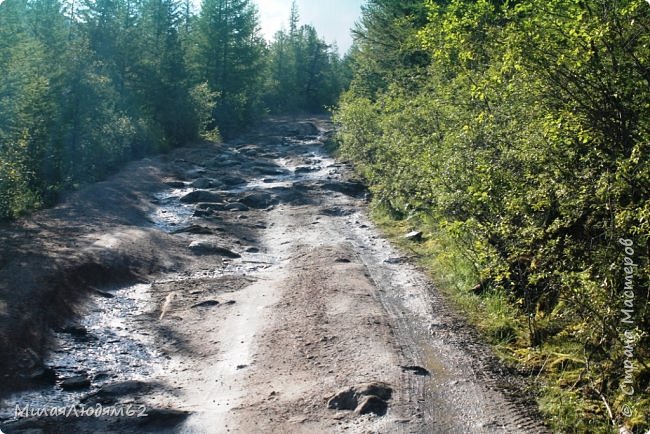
(235, 288)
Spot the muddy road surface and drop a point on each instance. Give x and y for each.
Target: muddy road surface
(235, 288)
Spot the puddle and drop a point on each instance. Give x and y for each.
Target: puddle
(171, 214)
(114, 349)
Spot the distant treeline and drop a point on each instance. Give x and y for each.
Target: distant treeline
(86, 85)
(517, 132)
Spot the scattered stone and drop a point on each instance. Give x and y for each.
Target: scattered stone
(258, 200)
(348, 188)
(242, 366)
(398, 260)
(211, 206)
(201, 196)
(76, 330)
(267, 169)
(306, 169)
(342, 260)
(161, 418)
(382, 390)
(75, 383)
(104, 294)
(363, 399)
(210, 248)
(414, 236)
(110, 393)
(231, 181)
(343, 400)
(336, 211)
(371, 404)
(417, 370)
(202, 213)
(176, 184)
(194, 229)
(207, 303)
(205, 183)
(236, 206)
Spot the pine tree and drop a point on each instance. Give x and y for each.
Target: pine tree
(228, 57)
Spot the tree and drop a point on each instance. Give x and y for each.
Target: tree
(228, 56)
(304, 72)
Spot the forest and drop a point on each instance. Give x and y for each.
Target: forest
(87, 85)
(514, 134)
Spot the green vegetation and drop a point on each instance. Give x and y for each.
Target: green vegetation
(86, 85)
(515, 134)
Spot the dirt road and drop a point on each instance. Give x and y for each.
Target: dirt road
(241, 288)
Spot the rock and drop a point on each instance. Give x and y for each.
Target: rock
(176, 184)
(231, 180)
(201, 196)
(293, 195)
(336, 211)
(109, 394)
(104, 294)
(76, 330)
(382, 390)
(258, 200)
(371, 404)
(363, 399)
(417, 370)
(76, 383)
(210, 248)
(205, 183)
(342, 260)
(207, 303)
(349, 188)
(414, 236)
(194, 229)
(343, 400)
(236, 206)
(202, 213)
(211, 206)
(161, 419)
(252, 249)
(306, 169)
(267, 169)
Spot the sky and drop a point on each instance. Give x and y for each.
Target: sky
(331, 18)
